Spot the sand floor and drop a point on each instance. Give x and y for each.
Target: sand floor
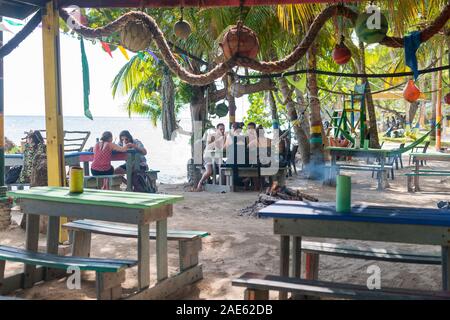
(239, 244)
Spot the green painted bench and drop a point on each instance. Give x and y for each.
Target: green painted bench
(110, 273)
(355, 252)
(423, 173)
(18, 186)
(258, 287)
(190, 242)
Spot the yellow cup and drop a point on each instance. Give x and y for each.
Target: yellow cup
(76, 180)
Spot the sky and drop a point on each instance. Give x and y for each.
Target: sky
(24, 87)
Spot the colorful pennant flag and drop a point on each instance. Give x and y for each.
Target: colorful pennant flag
(4, 28)
(106, 47)
(13, 23)
(153, 55)
(86, 81)
(124, 52)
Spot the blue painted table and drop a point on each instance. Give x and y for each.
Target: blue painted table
(368, 223)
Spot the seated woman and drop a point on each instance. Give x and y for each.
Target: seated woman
(101, 165)
(34, 150)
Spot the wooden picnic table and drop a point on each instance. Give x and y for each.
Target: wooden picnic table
(420, 156)
(76, 158)
(379, 154)
(299, 219)
(106, 205)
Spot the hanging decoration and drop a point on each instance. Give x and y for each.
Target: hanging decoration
(341, 54)
(86, 82)
(221, 109)
(412, 43)
(371, 26)
(182, 29)
(106, 47)
(135, 36)
(150, 30)
(447, 98)
(411, 93)
(241, 41)
(124, 52)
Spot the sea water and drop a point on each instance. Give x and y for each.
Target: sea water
(170, 157)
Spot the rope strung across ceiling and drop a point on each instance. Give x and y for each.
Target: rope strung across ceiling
(154, 33)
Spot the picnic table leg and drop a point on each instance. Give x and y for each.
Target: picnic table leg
(130, 172)
(143, 256)
(382, 176)
(86, 168)
(311, 266)
(32, 241)
(445, 268)
(416, 176)
(284, 262)
(161, 250)
(52, 244)
(296, 257)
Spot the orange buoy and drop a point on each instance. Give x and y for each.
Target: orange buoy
(411, 93)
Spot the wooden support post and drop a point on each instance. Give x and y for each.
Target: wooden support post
(252, 294)
(143, 256)
(189, 250)
(32, 242)
(2, 274)
(81, 246)
(296, 257)
(161, 250)
(445, 268)
(53, 105)
(439, 104)
(311, 266)
(108, 285)
(284, 262)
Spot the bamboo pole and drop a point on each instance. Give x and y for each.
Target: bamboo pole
(53, 105)
(439, 105)
(2, 127)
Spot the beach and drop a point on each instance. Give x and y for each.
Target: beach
(239, 244)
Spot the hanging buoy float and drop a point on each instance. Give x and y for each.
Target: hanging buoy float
(447, 98)
(240, 40)
(182, 29)
(135, 36)
(411, 93)
(367, 31)
(341, 54)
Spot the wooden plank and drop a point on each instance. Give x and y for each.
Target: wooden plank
(377, 254)
(296, 257)
(93, 197)
(15, 282)
(63, 262)
(250, 294)
(284, 261)
(161, 250)
(332, 290)
(31, 244)
(188, 252)
(81, 211)
(143, 256)
(129, 231)
(171, 286)
(363, 231)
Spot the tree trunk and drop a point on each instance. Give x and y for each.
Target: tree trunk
(317, 138)
(169, 123)
(301, 135)
(434, 87)
(270, 100)
(373, 129)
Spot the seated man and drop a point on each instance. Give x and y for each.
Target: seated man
(215, 143)
(126, 139)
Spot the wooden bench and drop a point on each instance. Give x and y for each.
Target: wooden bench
(332, 171)
(356, 252)
(190, 242)
(258, 287)
(423, 173)
(108, 182)
(110, 273)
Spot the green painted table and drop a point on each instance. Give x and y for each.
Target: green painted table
(379, 154)
(114, 206)
(420, 156)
